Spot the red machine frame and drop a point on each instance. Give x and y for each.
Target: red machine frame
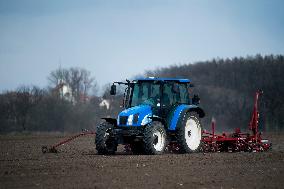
(53, 148)
(237, 141)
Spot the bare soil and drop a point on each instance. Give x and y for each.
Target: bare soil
(77, 165)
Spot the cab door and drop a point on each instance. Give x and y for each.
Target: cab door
(169, 100)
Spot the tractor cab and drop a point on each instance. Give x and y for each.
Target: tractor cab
(153, 97)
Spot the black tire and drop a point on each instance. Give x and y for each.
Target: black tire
(154, 138)
(106, 143)
(189, 133)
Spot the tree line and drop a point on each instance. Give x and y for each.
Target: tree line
(226, 88)
(68, 104)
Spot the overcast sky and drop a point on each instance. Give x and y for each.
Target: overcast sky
(117, 39)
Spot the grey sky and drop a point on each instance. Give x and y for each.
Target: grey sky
(117, 39)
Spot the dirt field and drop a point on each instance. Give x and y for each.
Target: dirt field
(22, 165)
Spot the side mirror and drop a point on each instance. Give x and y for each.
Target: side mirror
(191, 85)
(113, 89)
(195, 99)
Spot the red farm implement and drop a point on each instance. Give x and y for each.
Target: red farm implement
(53, 148)
(237, 141)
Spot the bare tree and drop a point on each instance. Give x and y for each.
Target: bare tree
(88, 82)
(79, 80)
(58, 76)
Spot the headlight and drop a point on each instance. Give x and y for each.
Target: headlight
(133, 119)
(130, 120)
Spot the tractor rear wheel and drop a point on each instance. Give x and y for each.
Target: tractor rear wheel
(154, 138)
(189, 133)
(105, 141)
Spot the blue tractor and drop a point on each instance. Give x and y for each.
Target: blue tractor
(158, 112)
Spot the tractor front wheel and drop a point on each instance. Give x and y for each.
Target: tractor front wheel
(105, 141)
(154, 138)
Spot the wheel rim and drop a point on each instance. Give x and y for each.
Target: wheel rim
(159, 141)
(192, 133)
(108, 142)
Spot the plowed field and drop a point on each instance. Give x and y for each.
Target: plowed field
(77, 165)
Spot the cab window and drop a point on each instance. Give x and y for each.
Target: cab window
(170, 94)
(184, 96)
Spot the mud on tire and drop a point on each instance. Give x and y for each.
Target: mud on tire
(105, 142)
(189, 133)
(154, 138)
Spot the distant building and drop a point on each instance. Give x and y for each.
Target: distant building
(105, 103)
(64, 91)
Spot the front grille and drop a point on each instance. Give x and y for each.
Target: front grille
(135, 119)
(123, 120)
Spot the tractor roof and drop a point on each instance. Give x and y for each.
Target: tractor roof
(163, 79)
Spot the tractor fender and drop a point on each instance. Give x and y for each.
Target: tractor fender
(197, 109)
(181, 110)
(110, 120)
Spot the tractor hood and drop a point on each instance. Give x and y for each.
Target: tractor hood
(135, 116)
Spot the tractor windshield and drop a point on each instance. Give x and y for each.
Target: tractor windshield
(145, 92)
